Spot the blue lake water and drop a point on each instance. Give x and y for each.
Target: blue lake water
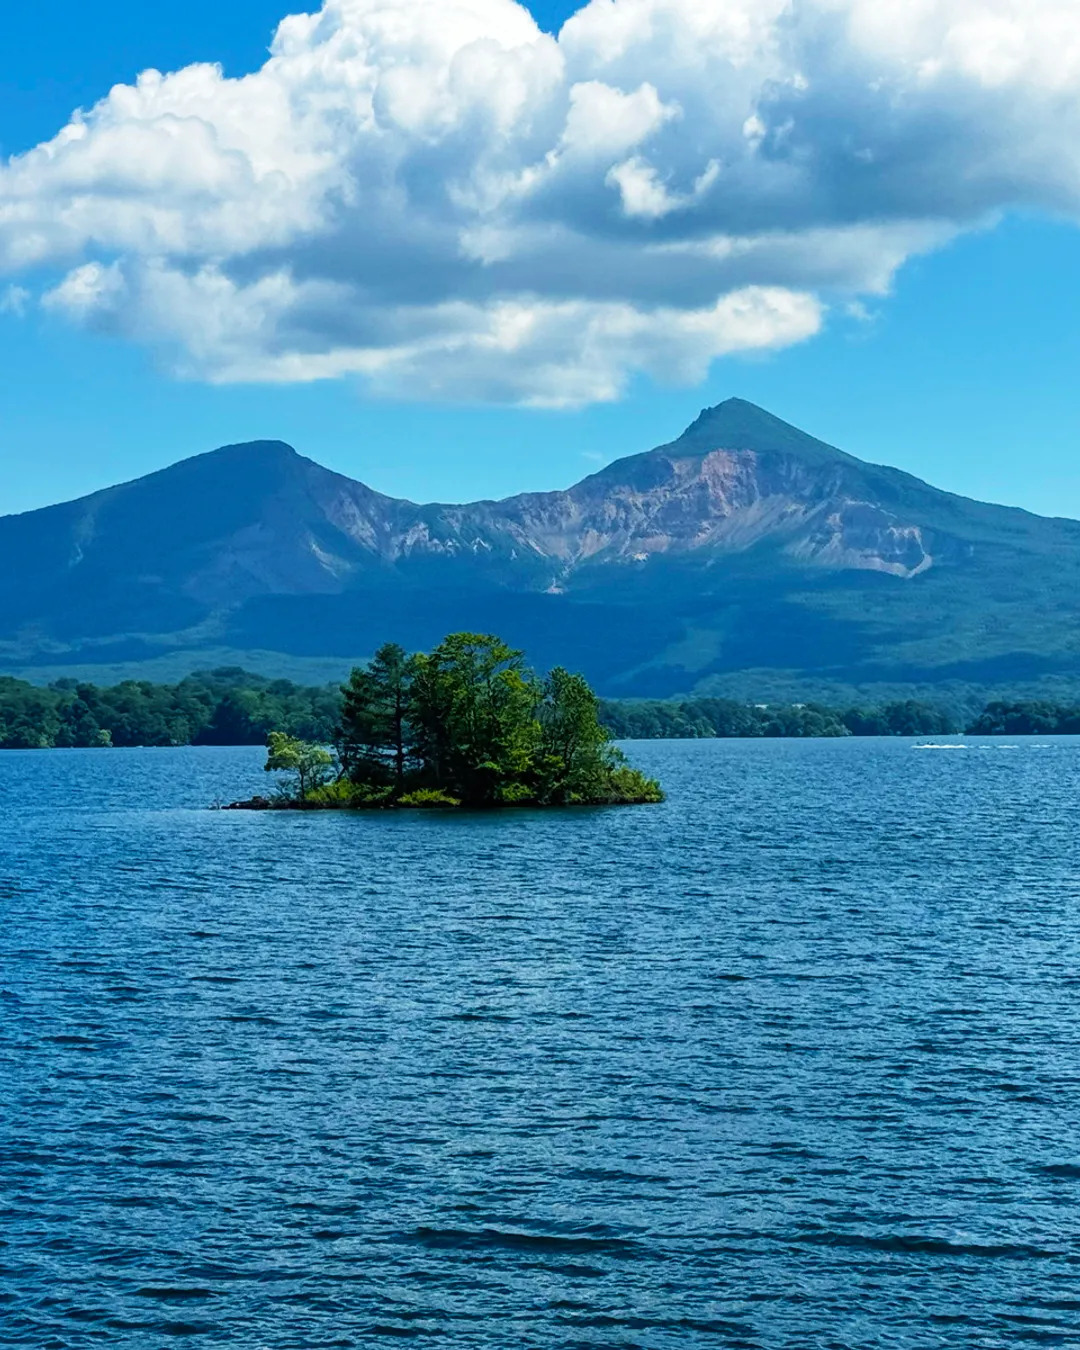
(790, 1061)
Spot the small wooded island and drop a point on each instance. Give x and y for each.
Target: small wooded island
(466, 725)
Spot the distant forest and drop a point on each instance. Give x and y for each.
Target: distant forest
(218, 707)
(231, 706)
(711, 717)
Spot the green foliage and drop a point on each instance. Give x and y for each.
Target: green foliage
(576, 759)
(906, 718)
(349, 796)
(709, 717)
(627, 784)
(802, 721)
(308, 765)
(1026, 719)
(469, 717)
(473, 711)
(220, 707)
(469, 724)
(428, 797)
(374, 737)
(244, 708)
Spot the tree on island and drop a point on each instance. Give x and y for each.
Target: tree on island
(373, 741)
(311, 765)
(473, 718)
(467, 724)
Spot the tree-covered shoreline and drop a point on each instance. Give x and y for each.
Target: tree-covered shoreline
(227, 706)
(231, 706)
(686, 719)
(465, 725)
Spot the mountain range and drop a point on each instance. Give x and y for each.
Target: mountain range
(745, 557)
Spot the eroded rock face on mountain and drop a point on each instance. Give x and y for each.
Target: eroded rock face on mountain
(319, 531)
(726, 501)
(861, 535)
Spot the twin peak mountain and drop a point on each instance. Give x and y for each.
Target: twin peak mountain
(744, 546)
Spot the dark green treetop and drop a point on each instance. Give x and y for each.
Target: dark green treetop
(374, 740)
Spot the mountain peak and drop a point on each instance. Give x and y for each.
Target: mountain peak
(737, 424)
(244, 469)
(254, 452)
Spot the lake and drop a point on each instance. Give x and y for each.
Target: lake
(792, 1060)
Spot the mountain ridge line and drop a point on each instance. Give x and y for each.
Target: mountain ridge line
(743, 549)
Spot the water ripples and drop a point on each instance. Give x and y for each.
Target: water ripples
(790, 1061)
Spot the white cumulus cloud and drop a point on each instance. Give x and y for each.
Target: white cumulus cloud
(441, 200)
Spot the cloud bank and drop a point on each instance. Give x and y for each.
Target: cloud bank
(437, 197)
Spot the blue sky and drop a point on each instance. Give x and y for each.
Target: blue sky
(961, 369)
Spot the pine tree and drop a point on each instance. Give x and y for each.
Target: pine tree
(374, 740)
